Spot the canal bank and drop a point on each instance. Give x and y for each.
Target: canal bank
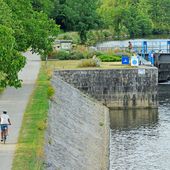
(78, 126)
(78, 131)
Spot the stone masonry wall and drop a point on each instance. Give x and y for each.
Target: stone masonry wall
(78, 131)
(117, 88)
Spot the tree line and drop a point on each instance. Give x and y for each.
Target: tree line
(130, 17)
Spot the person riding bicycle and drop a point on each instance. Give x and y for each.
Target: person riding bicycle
(4, 121)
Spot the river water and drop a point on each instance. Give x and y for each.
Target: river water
(140, 139)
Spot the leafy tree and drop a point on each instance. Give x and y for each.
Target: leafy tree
(11, 61)
(47, 6)
(22, 27)
(77, 15)
(160, 15)
(127, 15)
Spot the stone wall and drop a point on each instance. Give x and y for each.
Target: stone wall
(117, 88)
(78, 131)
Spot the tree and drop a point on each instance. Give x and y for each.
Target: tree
(11, 61)
(160, 15)
(46, 6)
(22, 27)
(130, 15)
(77, 15)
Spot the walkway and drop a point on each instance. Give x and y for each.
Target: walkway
(15, 101)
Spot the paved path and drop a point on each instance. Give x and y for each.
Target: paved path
(15, 101)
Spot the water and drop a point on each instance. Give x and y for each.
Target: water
(140, 139)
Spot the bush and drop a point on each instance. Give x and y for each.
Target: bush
(109, 58)
(41, 125)
(88, 63)
(93, 53)
(74, 36)
(76, 55)
(50, 91)
(43, 58)
(60, 55)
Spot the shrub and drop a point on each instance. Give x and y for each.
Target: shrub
(109, 58)
(74, 36)
(93, 53)
(43, 58)
(60, 55)
(41, 125)
(76, 55)
(88, 63)
(50, 91)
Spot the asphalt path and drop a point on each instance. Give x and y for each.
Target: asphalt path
(15, 102)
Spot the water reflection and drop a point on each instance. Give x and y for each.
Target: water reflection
(133, 118)
(140, 139)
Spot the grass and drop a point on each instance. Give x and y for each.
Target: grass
(29, 154)
(1, 90)
(73, 64)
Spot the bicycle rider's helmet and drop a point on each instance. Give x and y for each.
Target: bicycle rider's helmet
(4, 112)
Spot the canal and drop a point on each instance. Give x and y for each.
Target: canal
(140, 139)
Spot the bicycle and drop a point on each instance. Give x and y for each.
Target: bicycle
(4, 133)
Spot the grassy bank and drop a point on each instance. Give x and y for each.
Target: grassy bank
(29, 152)
(73, 64)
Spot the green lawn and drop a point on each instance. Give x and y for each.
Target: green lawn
(29, 153)
(73, 64)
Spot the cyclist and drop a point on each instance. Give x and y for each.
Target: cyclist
(130, 46)
(4, 121)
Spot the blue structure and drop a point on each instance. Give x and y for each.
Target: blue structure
(151, 57)
(145, 46)
(168, 47)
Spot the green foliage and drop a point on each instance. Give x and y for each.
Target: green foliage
(76, 55)
(60, 55)
(109, 58)
(74, 36)
(136, 18)
(66, 55)
(22, 27)
(11, 62)
(50, 91)
(95, 36)
(77, 15)
(88, 63)
(47, 6)
(42, 125)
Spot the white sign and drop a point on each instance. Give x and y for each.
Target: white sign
(134, 61)
(141, 71)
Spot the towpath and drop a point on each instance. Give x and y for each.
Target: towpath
(15, 101)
